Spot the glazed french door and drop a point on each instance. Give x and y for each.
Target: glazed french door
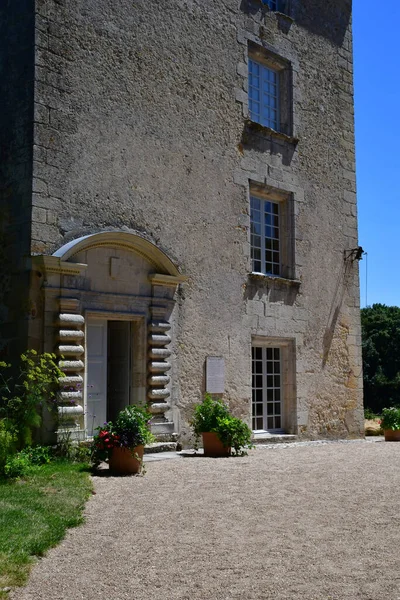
(267, 389)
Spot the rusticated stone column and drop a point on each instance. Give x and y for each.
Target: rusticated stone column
(159, 339)
(71, 350)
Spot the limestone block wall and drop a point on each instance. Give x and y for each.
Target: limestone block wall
(142, 125)
(16, 137)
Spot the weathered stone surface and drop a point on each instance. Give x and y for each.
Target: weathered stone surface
(142, 126)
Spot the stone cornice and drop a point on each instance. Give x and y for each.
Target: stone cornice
(54, 265)
(166, 280)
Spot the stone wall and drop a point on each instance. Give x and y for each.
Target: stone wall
(142, 125)
(16, 136)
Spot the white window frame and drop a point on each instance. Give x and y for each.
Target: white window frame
(267, 90)
(271, 389)
(288, 400)
(273, 239)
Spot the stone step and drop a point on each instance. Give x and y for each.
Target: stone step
(160, 447)
(164, 427)
(273, 438)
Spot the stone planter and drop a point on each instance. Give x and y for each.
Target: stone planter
(391, 436)
(126, 462)
(213, 446)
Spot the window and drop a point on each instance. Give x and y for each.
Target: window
(275, 4)
(267, 389)
(271, 232)
(263, 95)
(265, 236)
(269, 90)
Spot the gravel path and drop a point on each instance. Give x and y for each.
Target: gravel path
(316, 522)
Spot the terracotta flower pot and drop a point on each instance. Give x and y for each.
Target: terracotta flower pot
(126, 462)
(391, 436)
(213, 447)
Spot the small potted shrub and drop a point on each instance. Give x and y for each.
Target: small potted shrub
(221, 432)
(121, 443)
(390, 424)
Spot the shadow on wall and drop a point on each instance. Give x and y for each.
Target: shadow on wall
(327, 18)
(336, 306)
(254, 138)
(272, 290)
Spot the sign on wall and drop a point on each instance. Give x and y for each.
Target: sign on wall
(215, 375)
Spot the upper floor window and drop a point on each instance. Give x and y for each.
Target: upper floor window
(264, 95)
(269, 90)
(265, 236)
(278, 5)
(271, 3)
(271, 232)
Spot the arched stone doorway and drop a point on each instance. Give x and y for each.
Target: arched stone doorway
(109, 309)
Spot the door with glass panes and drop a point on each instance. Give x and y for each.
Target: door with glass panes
(267, 389)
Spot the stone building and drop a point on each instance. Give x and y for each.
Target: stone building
(179, 208)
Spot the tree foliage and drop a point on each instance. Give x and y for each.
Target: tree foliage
(381, 356)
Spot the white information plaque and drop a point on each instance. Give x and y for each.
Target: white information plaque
(215, 375)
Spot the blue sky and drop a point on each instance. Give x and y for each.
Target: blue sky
(377, 106)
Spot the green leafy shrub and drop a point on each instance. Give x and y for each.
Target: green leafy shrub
(38, 455)
(17, 466)
(7, 445)
(23, 395)
(212, 415)
(234, 433)
(130, 429)
(391, 418)
(206, 414)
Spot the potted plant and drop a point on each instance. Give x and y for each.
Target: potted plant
(390, 424)
(221, 432)
(121, 443)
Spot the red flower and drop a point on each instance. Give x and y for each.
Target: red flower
(107, 440)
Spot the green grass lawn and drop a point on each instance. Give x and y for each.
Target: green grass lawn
(34, 514)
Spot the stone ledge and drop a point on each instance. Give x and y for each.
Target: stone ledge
(254, 127)
(274, 279)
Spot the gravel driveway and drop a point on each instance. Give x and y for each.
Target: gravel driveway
(317, 521)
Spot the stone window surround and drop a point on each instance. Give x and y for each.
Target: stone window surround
(282, 68)
(261, 51)
(286, 230)
(288, 366)
(283, 7)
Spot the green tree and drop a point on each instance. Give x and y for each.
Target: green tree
(381, 356)
(23, 396)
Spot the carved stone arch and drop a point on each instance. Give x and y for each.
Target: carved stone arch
(123, 240)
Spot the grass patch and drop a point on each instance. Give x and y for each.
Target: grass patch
(35, 513)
